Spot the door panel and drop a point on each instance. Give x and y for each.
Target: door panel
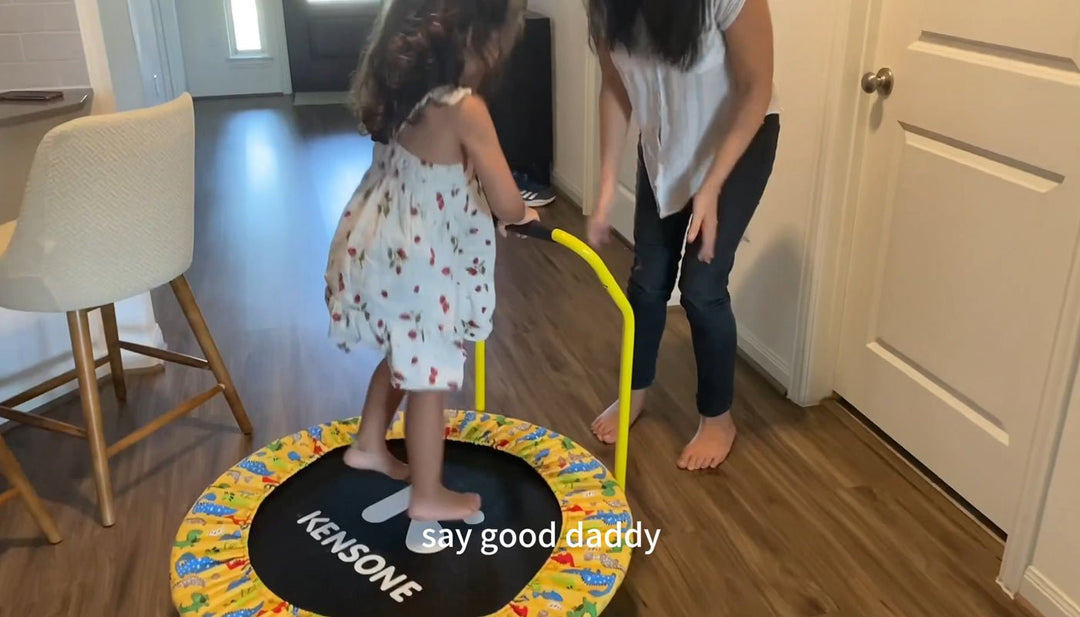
(326, 39)
(966, 227)
(1006, 27)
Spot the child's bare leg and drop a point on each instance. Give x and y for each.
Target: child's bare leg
(369, 452)
(425, 430)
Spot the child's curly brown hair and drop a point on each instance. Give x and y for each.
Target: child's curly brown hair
(420, 45)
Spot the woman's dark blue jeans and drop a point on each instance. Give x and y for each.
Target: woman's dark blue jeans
(658, 245)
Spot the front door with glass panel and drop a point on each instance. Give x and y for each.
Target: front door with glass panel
(325, 39)
(233, 47)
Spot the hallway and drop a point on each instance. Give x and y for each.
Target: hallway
(810, 516)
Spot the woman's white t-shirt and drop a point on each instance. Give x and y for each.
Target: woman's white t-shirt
(682, 114)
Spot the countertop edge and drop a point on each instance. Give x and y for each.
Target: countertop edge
(14, 114)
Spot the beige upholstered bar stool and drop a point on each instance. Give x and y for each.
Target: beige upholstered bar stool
(109, 214)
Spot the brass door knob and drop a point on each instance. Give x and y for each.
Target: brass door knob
(882, 82)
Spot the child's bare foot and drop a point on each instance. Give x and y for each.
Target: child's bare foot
(606, 425)
(376, 460)
(712, 444)
(444, 505)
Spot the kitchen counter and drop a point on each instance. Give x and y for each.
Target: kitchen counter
(74, 101)
(22, 126)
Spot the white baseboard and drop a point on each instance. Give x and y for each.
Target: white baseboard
(1046, 597)
(571, 190)
(767, 359)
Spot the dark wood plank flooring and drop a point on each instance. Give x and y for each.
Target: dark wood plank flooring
(811, 515)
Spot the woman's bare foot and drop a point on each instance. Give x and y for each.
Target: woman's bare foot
(444, 505)
(712, 444)
(606, 425)
(379, 460)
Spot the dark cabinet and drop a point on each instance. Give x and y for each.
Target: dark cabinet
(521, 102)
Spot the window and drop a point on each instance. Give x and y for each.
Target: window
(245, 29)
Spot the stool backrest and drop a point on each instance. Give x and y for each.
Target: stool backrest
(108, 211)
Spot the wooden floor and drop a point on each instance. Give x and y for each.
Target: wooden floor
(811, 515)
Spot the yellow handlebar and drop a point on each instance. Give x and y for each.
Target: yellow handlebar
(627, 357)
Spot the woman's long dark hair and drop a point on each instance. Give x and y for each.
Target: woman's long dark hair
(671, 29)
(420, 45)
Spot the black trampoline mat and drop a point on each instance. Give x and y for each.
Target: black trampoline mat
(287, 550)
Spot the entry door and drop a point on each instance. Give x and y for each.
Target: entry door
(233, 47)
(326, 39)
(967, 223)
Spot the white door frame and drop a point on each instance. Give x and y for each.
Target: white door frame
(832, 212)
(156, 31)
(592, 133)
(823, 282)
(149, 50)
(172, 51)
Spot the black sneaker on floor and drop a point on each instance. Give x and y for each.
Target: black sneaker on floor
(535, 194)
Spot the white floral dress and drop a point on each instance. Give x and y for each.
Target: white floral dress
(411, 266)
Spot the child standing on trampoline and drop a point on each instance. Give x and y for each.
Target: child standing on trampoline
(411, 266)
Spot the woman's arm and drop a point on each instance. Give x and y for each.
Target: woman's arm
(480, 141)
(615, 111)
(750, 52)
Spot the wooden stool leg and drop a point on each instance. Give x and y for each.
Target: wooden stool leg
(202, 334)
(82, 346)
(112, 340)
(14, 473)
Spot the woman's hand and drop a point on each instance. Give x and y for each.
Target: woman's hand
(750, 54)
(599, 227)
(704, 223)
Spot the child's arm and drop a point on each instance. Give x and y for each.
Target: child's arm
(481, 143)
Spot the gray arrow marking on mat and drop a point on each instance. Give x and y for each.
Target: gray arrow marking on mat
(415, 539)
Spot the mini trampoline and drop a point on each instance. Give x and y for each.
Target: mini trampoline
(291, 530)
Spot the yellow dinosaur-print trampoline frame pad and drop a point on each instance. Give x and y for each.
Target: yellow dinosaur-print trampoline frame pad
(211, 572)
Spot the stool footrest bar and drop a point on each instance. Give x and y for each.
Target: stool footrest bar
(42, 422)
(163, 420)
(167, 356)
(48, 386)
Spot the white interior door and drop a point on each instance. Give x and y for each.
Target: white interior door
(967, 223)
(622, 216)
(234, 47)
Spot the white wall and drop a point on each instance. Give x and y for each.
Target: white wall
(766, 280)
(120, 50)
(97, 60)
(569, 30)
(40, 45)
(207, 64)
(1052, 583)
